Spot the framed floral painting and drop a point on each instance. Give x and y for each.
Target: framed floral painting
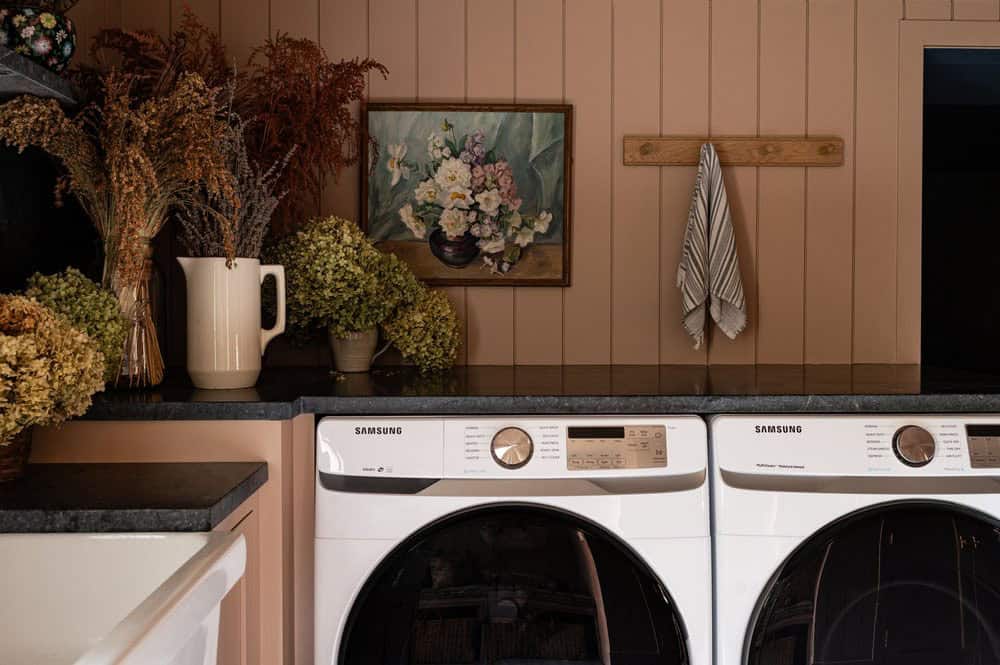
(469, 194)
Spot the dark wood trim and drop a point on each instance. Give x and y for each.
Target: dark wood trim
(565, 109)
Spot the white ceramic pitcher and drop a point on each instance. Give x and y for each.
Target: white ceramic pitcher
(224, 339)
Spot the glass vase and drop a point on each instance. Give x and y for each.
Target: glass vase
(142, 361)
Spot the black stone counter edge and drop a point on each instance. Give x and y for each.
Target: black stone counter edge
(548, 405)
(139, 520)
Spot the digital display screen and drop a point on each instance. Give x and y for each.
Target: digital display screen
(984, 446)
(596, 432)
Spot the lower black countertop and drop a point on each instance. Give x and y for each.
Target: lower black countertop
(286, 392)
(126, 497)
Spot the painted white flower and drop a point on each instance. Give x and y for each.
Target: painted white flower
(397, 151)
(491, 245)
(453, 173)
(489, 201)
(435, 146)
(454, 224)
(426, 192)
(456, 197)
(542, 222)
(414, 223)
(28, 31)
(525, 236)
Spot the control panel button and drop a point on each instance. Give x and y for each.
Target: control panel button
(512, 447)
(913, 445)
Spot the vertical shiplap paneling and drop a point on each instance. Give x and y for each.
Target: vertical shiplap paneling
(937, 10)
(89, 17)
(343, 33)
(587, 303)
(538, 311)
(299, 18)
(490, 72)
(441, 78)
(392, 40)
(207, 12)
(976, 10)
(636, 201)
(781, 191)
(830, 209)
(244, 26)
(875, 222)
(733, 110)
(152, 15)
(683, 110)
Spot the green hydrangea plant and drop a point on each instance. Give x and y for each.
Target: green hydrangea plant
(88, 308)
(426, 332)
(48, 369)
(336, 278)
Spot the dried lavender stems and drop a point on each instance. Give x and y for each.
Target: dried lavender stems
(219, 226)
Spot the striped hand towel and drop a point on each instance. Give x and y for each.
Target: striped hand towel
(709, 273)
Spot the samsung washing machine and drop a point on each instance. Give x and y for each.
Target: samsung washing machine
(857, 540)
(513, 541)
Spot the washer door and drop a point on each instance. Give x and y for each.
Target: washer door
(899, 584)
(513, 585)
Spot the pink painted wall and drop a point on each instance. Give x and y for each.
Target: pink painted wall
(817, 246)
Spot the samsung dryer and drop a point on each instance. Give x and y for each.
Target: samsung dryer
(520, 540)
(857, 540)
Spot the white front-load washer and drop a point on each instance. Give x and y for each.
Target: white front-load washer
(857, 540)
(510, 541)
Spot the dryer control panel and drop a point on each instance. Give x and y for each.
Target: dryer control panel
(912, 446)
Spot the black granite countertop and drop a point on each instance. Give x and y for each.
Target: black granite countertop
(284, 393)
(86, 498)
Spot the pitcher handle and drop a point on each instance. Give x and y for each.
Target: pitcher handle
(266, 335)
(381, 351)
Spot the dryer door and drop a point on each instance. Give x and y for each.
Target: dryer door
(513, 585)
(899, 584)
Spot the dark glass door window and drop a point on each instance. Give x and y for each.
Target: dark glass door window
(513, 586)
(903, 584)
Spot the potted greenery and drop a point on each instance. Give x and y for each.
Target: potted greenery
(88, 308)
(223, 238)
(48, 372)
(340, 282)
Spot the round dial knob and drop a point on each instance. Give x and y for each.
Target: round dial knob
(913, 445)
(512, 447)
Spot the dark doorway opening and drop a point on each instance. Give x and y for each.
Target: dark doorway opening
(961, 216)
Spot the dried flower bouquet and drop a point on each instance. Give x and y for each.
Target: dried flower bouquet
(129, 161)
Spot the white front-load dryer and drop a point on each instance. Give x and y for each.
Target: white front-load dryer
(513, 541)
(869, 540)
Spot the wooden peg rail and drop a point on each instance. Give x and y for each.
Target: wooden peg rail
(735, 150)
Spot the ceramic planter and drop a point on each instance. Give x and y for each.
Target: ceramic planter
(356, 351)
(224, 339)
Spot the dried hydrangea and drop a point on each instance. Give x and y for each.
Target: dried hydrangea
(426, 332)
(88, 308)
(337, 279)
(48, 369)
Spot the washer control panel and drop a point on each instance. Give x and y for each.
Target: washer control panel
(590, 448)
(512, 446)
(984, 446)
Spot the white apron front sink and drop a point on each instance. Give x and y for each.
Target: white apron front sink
(115, 599)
